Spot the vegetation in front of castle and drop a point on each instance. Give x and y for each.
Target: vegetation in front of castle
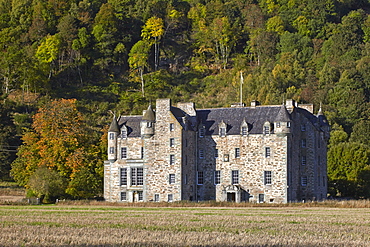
(70, 62)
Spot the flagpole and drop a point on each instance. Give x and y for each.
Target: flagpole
(241, 87)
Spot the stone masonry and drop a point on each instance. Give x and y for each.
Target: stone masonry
(274, 154)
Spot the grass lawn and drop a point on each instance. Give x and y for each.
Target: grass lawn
(104, 225)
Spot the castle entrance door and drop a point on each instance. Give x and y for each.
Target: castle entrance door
(231, 196)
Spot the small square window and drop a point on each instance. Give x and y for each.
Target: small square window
(235, 177)
(123, 196)
(268, 177)
(201, 132)
(304, 180)
(303, 143)
(217, 177)
(172, 159)
(237, 152)
(111, 136)
(201, 154)
(277, 124)
(124, 153)
(267, 152)
(226, 158)
(304, 160)
(171, 179)
(111, 150)
(200, 178)
(140, 195)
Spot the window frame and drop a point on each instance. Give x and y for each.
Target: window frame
(304, 181)
(170, 198)
(237, 153)
(201, 153)
(111, 150)
(123, 176)
(172, 142)
(140, 196)
(172, 159)
(123, 196)
(303, 143)
(156, 197)
(267, 152)
(304, 160)
(123, 153)
(217, 177)
(267, 177)
(171, 178)
(172, 127)
(137, 176)
(202, 132)
(111, 136)
(200, 178)
(235, 177)
(244, 131)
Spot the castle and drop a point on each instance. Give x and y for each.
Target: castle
(274, 154)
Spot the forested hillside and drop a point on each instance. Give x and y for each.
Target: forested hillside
(120, 55)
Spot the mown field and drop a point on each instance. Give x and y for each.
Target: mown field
(97, 225)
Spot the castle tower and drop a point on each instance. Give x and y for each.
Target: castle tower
(147, 123)
(113, 132)
(282, 121)
(323, 123)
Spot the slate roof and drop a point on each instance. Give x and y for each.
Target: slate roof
(133, 125)
(149, 114)
(233, 117)
(113, 125)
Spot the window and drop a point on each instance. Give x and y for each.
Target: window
(111, 150)
(123, 176)
(217, 177)
(200, 178)
(277, 124)
(222, 131)
(268, 177)
(171, 179)
(123, 196)
(123, 153)
(124, 133)
(137, 177)
(156, 197)
(170, 197)
(186, 179)
(111, 136)
(142, 153)
(303, 143)
(201, 153)
(140, 195)
(216, 153)
(172, 159)
(267, 152)
(237, 152)
(261, 198)
(149, 124)
(172, 142)
(304, 180)
(235, 177)
(244, 131)
(304, 160)
(172, 127)
(201, 131)
(266, 129)
(226, 158)
(288, 124)
(303, 127)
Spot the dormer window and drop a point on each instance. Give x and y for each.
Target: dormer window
(244, 128)
(202, 131)
(267, 128)
(124, 132)
(222, 128)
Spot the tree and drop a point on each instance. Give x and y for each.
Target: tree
(138, 59)
(154, 28)
(59, 140)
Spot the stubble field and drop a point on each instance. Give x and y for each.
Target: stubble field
(94, 225)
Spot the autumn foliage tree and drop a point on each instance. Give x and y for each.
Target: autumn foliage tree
(59, 140)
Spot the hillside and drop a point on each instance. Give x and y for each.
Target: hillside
(120, 55)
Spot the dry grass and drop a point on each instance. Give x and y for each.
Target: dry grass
(103, 225)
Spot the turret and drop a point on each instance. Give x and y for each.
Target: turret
(147, 123)
(113, 132)
(282, 121)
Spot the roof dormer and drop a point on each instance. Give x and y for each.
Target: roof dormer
(222, 129)
(244, 128)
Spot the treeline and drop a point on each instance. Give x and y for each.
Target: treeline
(120, 55)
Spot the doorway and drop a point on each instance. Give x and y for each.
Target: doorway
(231, 196)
